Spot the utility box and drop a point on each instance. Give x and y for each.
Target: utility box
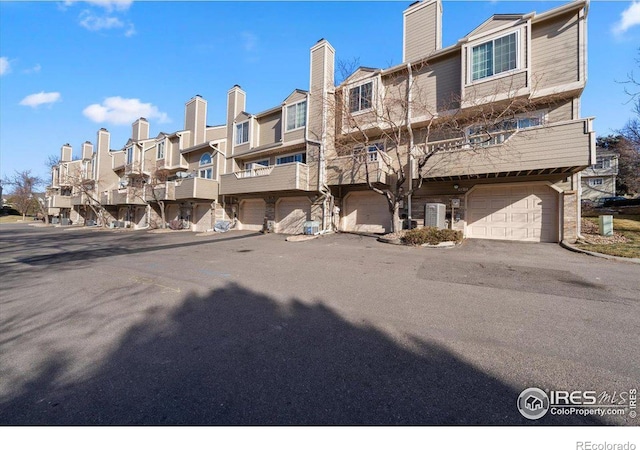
(606, 225)
(435, 215)
(311, 227)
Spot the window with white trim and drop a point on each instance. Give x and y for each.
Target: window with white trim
(129, 155)
(297, 115)
(494, 57)
(298, 157)
(206, 172)
(371, 154)
(496, 133)
(602, 163)
(242, 133)
(160, 152)
(361, 97)
(256, 164)
(593, 182)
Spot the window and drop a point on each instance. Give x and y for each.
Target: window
(496, 133)
(494, 57)
(296, 115)
(242, 133)
(256, 164)
(595, 182)
(299, 157)
(94, 167)
(602, 163)
(160, 153)
(371, 154)
(206, 172)
(129, 155)
(361, 97)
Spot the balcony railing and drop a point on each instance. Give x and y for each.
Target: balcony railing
(167, 191)
(124, 196)
(285, 177)
(559, 147)
(59, 201)
(353, 169)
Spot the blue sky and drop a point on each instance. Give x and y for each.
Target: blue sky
(69, 68)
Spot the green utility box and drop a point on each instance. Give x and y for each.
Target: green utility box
(606, 225)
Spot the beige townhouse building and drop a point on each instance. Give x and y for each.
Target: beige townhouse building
(489, 128)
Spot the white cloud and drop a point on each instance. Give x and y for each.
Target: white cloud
(41, 98)
(96, 23)
(123, 111)
(34, 69)
(250, 41)
(5, 65)
(130, 31)
(109, 5)
(630, 17)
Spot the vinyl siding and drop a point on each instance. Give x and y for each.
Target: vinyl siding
(437, 85)
(270, 128)
(420, 28)
(563, 145)
(561, 111)
(286, 177)
(490, 88)
(494, 22)
(554, 57)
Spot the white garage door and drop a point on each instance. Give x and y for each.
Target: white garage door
(366, 212)
(291, 214)
(252, 214)
(517, 213)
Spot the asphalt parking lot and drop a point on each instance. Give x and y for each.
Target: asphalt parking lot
(104, 327)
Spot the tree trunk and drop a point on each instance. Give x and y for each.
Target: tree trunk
(396, 224)
(162, 214)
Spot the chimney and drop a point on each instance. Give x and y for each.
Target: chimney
(66, 153)
(195, 120)
(140, 129)
(87, 150)
(321, 81)
(422, 29)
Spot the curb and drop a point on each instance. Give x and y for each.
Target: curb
(572, 248)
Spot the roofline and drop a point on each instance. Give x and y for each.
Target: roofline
(577, 4)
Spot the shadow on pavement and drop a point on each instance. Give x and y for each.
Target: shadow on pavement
(234, 356)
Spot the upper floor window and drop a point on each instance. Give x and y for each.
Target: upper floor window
(595, 181)
(256, 164)
(242, 133)
(494, 57)
(602, 163)
(361, 97)
(297, 115)
(129, 155)
(94, 167)
(371, 154)
(206, 172)
(298, 157)
(160, 153)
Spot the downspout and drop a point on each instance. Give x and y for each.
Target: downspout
(410, 190)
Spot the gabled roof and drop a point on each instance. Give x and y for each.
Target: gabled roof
(361, 72)
(495, 21)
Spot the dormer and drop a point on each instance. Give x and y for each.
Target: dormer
(294, 113)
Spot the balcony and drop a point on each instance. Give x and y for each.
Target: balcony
(285, 177)
(125, 196)
(196, 188)
(352, 169)
(59, 201)
(80, 199)
(167, 191)
(564, 147)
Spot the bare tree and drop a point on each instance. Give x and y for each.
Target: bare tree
(23, 194)
(85, 187)
(629, 151)
(399, 129)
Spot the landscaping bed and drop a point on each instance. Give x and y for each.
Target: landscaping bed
(625, 241)
(427, 236)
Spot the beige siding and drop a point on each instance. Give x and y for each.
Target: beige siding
(561, 111)
(495, 87)
(564, 145)
(318, 79)
(295, 97)
(346, 170)
(421, 32)
(437, 85)
(491, 24)
(294, 135)
(554, 57)
(280, 178)
(196, 188)
(216, 133)
(189, 119)
(270, 129)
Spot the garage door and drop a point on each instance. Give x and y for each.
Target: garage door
(515, 213)
(366, 212)
(291, 213)
(252, 214)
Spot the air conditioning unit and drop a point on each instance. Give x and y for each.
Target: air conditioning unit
(435, 215)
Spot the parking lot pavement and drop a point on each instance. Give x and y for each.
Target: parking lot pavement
(243, 328)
